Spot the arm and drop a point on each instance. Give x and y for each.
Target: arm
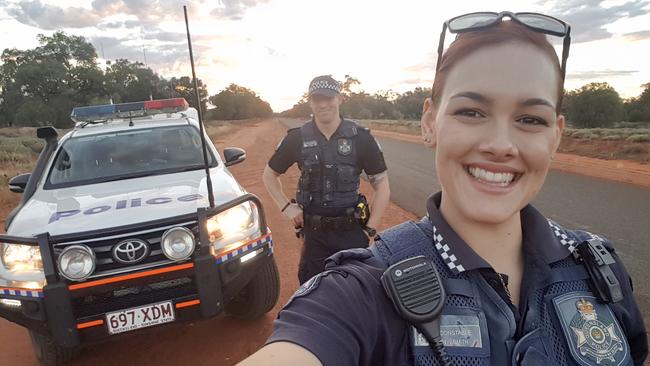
(381, 199)
(281, 353)
(273, 185)
(629, 315)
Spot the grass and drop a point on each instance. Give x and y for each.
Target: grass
(403, 126)
(19, 148)
(629, 134)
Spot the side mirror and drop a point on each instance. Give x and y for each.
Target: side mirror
(234, 155)
(18, 183)
(46, 133)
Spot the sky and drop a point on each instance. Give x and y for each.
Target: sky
(275, 47)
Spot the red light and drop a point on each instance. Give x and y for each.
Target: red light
(166, 105)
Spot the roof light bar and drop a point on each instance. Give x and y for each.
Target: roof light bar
(134, 109)
(100, 113)
(166, 105)
(92, 113)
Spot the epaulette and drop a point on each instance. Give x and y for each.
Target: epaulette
(292, 129)
(594, 252)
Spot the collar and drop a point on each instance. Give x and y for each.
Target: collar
(338, 132)
(541, 238)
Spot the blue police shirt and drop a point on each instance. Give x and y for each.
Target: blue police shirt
(344, 317)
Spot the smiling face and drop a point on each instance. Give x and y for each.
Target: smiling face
(325, 108)
(495, 130)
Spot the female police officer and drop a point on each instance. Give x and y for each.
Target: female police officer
(520, 288)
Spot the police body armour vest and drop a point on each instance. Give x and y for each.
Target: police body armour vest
(563, 325)
(329, 174)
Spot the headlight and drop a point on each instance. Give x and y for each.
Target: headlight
(21, 258)
(177, 243)
(76, 262)
(233, 226)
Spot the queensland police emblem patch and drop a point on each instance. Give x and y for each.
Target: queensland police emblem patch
(345, 147)
(592, 331)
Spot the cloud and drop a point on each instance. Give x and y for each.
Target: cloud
(166, 36)
(132, 49)
(595, 74)
(637, 36)
(235, 9)
(149, 13)
(415, 82)
(421, 67)
(51, 17)
(589, 18)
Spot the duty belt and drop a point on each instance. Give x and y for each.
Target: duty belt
(318, 222)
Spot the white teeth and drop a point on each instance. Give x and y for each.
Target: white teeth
(501, 179)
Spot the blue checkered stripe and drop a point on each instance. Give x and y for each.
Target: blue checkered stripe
(445, 252)
(21, 293)
(567, 241)
(267, 240)
(324, 84)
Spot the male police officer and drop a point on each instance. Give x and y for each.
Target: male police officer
(331, 153)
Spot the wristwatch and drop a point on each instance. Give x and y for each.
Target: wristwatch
(371, 231)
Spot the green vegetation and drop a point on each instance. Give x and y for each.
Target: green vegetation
(237, 102)
(593, 105)
(40, 86)
(628, 134)
(407, 127)
(19, 149)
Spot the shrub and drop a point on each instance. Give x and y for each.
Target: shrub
(638, 138)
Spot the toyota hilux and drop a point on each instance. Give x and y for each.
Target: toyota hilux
(118, 230)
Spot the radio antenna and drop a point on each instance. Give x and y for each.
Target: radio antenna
(198, 107)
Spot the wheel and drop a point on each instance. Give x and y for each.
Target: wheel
(48, 353)
(259, 296)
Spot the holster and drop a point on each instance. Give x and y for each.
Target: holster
(362, 211)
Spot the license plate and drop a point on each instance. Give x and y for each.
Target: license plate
(140, 317)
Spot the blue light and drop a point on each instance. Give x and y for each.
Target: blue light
(92, 113)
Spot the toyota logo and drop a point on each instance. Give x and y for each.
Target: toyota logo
(131, 251)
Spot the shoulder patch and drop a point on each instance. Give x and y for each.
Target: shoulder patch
(311, 285)
(592, 332)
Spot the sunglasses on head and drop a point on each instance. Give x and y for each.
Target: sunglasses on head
(538, 22)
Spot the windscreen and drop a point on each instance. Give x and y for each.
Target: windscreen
(127, 154)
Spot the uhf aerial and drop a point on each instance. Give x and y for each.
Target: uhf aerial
(198, 107)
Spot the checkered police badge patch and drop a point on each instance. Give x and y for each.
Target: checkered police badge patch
(592, 331)
(344, 147)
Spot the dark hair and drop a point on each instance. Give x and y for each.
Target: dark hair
(504, 32)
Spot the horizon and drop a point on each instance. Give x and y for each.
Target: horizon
(276, 56)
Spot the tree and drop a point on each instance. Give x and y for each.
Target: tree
(594, 105)
(238, 102)
(410, 103)
(299, 110)
(638, 109)
(128, 81)
(41, 85)
(184, 87)
(346, 86)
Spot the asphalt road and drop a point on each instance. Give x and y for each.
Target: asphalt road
(619, 211)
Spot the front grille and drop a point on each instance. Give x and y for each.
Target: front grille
(132, 296)
(102, 246)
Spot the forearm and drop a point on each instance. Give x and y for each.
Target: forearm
(274, 187)
(380, 201)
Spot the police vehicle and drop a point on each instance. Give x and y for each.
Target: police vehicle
(115, 231)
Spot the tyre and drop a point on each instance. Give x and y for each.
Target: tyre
(259, 296)
(48, 353)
